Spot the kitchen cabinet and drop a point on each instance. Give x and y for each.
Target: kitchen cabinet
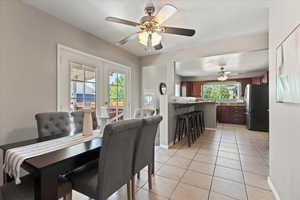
(231, 114)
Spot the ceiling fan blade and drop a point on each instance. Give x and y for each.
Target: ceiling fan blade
(227, 73)
(127, 39)
(158, 47)
(178, 31)
(165, 13)
(121, 21)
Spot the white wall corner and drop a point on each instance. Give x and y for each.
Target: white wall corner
(273, 189)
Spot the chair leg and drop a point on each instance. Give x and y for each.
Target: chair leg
(139, 175)
(133, 188)
(129, 190)
(149, 177)
(153, 161)
(68, 196)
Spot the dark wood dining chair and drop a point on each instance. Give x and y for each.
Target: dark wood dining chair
(114, 169)
(144, 152)
(53, 123)
(25, 190)
(78, 120)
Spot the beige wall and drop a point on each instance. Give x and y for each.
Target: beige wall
(28, 66)
(284, 118)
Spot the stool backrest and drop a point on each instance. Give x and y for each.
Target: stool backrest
(78, 120)
(53, 123)
(116, 156)
(145, 143)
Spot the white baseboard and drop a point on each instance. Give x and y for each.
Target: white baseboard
(272, 187)
(164, 146)
(211, 129)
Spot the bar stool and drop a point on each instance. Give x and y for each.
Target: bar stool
(201, 120)
(183, 128)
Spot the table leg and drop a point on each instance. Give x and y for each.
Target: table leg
(46, 186)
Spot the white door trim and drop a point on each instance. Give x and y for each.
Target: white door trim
(61, 48)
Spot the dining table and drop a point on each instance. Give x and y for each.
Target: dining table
(46, 168)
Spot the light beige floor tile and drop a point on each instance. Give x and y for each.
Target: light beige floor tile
(180, 162)
(255, 169)
(142, 180)
(229, 163)
(210, 152)
(233, 156)
(202, 167)
(230, 174)
(146, 195)
(161, 157)
(197, 179)
(259, 194)
(162, 186)
(256, 180)
(228, 145)
(216, 196)
(231, 150)
(205, 158)
(79, 196)
(120, 194)
(186, 154)
(171, 172)
(229, 188)
(188, 192)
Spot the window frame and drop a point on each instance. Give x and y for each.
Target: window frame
(239, 91)
(85, 68)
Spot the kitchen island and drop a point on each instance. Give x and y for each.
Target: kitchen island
(180, 106)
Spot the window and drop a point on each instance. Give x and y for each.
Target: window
(222, 91)
(83, 87)
(117, 94)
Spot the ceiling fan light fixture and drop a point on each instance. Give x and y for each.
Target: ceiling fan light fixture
(222, 77)
(144, 37)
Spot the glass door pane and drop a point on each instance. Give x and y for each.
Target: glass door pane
(117, 100)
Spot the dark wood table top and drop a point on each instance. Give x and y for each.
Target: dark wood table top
(57, 156)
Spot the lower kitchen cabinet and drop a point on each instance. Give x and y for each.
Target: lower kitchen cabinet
(231, 114)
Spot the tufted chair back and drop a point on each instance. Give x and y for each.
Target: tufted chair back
(144, 113)
(78, 120)
(53, 123)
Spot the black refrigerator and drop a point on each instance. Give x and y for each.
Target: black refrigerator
(257, 107)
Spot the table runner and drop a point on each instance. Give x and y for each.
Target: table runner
(16, 156)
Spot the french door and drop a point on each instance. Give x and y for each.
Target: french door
(117, 97)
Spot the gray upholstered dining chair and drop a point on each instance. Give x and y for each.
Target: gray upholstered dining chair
(144, 113)
(144, 152)
(53, 123)
(25, 190)
(78, 120)
(114, 168)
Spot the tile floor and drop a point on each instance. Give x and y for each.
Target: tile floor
(228, 164)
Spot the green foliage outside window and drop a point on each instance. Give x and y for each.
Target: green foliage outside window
(117, 88)
(221, 92)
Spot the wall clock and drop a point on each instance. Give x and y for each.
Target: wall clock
(163, 88)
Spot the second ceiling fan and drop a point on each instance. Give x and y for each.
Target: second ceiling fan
(150, 27)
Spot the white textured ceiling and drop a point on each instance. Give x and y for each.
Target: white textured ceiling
(238, 63)
(212, 19)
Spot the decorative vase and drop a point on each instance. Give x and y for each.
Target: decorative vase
(104, 118)
(87, 123)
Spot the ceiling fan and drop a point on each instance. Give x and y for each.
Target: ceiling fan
(222, 74)
(150, 27)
